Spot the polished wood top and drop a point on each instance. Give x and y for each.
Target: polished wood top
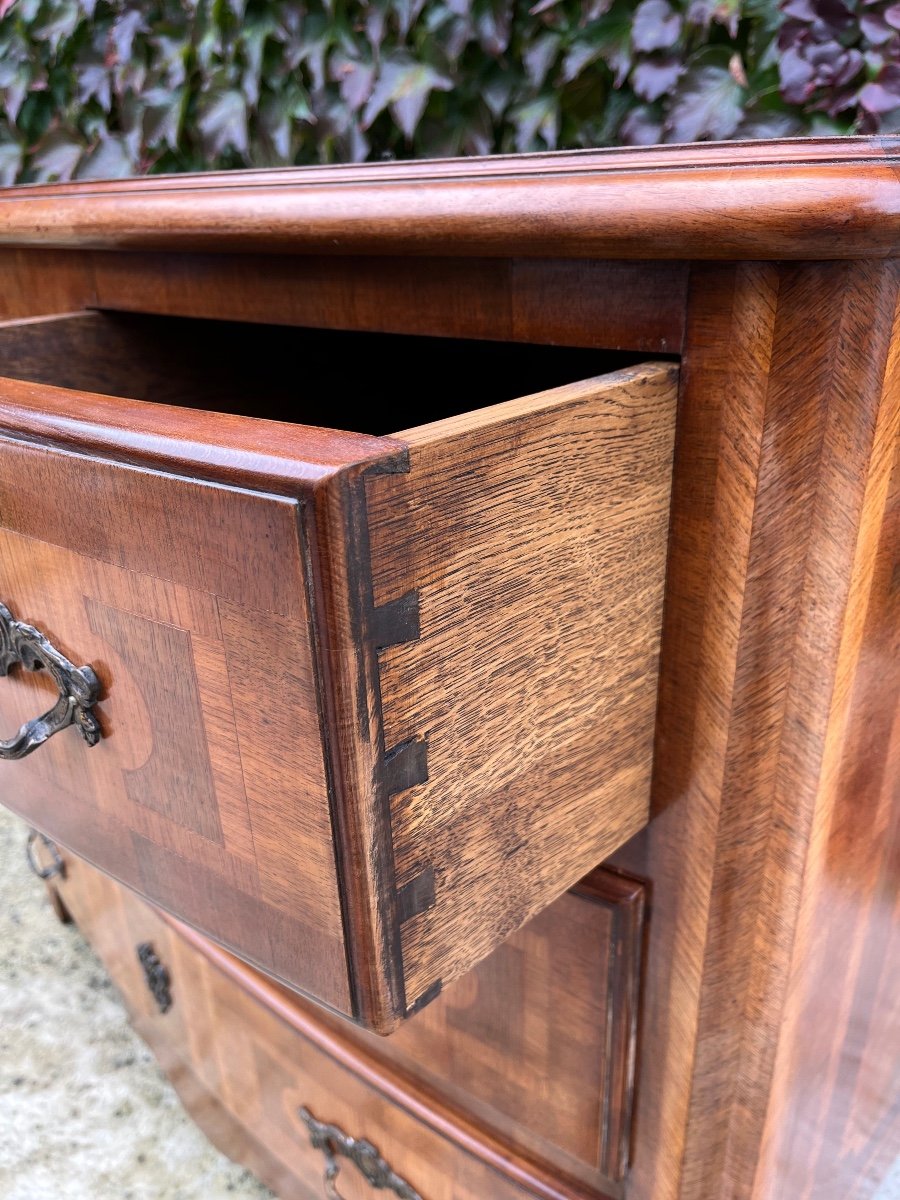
(793, 199)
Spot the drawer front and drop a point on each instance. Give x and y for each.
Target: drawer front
(281, 1093)
(538, 1042)
(207, 789)
(366, 705)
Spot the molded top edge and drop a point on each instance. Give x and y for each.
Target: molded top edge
(799, 198)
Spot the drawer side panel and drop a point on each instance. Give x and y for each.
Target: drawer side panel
(534, 536)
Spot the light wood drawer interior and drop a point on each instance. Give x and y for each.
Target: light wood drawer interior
(369, 700)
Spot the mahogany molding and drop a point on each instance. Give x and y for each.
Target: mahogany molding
(792, 199)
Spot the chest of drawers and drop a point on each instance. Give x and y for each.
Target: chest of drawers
(382, 550)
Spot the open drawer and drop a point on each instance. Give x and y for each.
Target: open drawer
(365, 703)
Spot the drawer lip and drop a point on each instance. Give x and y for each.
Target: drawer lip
(273, 456)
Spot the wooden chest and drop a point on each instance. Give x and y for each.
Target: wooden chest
(462, 599)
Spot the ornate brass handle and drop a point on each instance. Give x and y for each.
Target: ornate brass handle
(78, 687)
(334, 1143)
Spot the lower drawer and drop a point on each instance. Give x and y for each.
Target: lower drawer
(310, 1103)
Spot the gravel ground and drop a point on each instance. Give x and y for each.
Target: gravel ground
(84, 1112)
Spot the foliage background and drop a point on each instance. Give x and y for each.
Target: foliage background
(100, 88)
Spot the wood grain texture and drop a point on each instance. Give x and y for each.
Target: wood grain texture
(828, 198)
(616, 305)
(534, 536)
(833, 1124)
(294, 703)
(789, 416)
(245, 1053)
(168, 799)
(44, 281)
(767, 1069)
(613, 305)
(538, 1041)
(208, 790)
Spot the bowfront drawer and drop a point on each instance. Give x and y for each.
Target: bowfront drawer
(356, 706)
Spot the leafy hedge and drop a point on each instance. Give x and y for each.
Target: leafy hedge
(92, 88)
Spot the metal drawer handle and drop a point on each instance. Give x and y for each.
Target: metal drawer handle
(334, 1143)
(79, 687)
(158, 979)
(56, 866)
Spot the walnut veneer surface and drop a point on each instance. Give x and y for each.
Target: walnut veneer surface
(768, 1044)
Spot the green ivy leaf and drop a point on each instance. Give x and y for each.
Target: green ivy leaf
(101, 86)
(109, 159)
(162, 116)
(56, 24)
(540, 56)
(57, 157)
(404, 86)
(539, 117)
(222, 123)
(11, 159)
(15, 80)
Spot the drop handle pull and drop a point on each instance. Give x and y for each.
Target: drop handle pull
(336, 1145)
(78, 687)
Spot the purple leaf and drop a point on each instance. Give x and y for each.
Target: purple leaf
(656, 25)
(723, 12)
(801, 10)
(355, 79)
(407, 13)
(847, 68)
(14, 87)
(579, 56)
(882, 94)
(792, 35)
(653, 77)
(376, 20)
(769, 125)
(594, 9)
(797, 77)
(833, 15)
(875, 28)
(493, 25)
(837, 100)
(496, 94)
(163, 115)
(275, 127)
(539, 57)
(707, 104)
(641, 127)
